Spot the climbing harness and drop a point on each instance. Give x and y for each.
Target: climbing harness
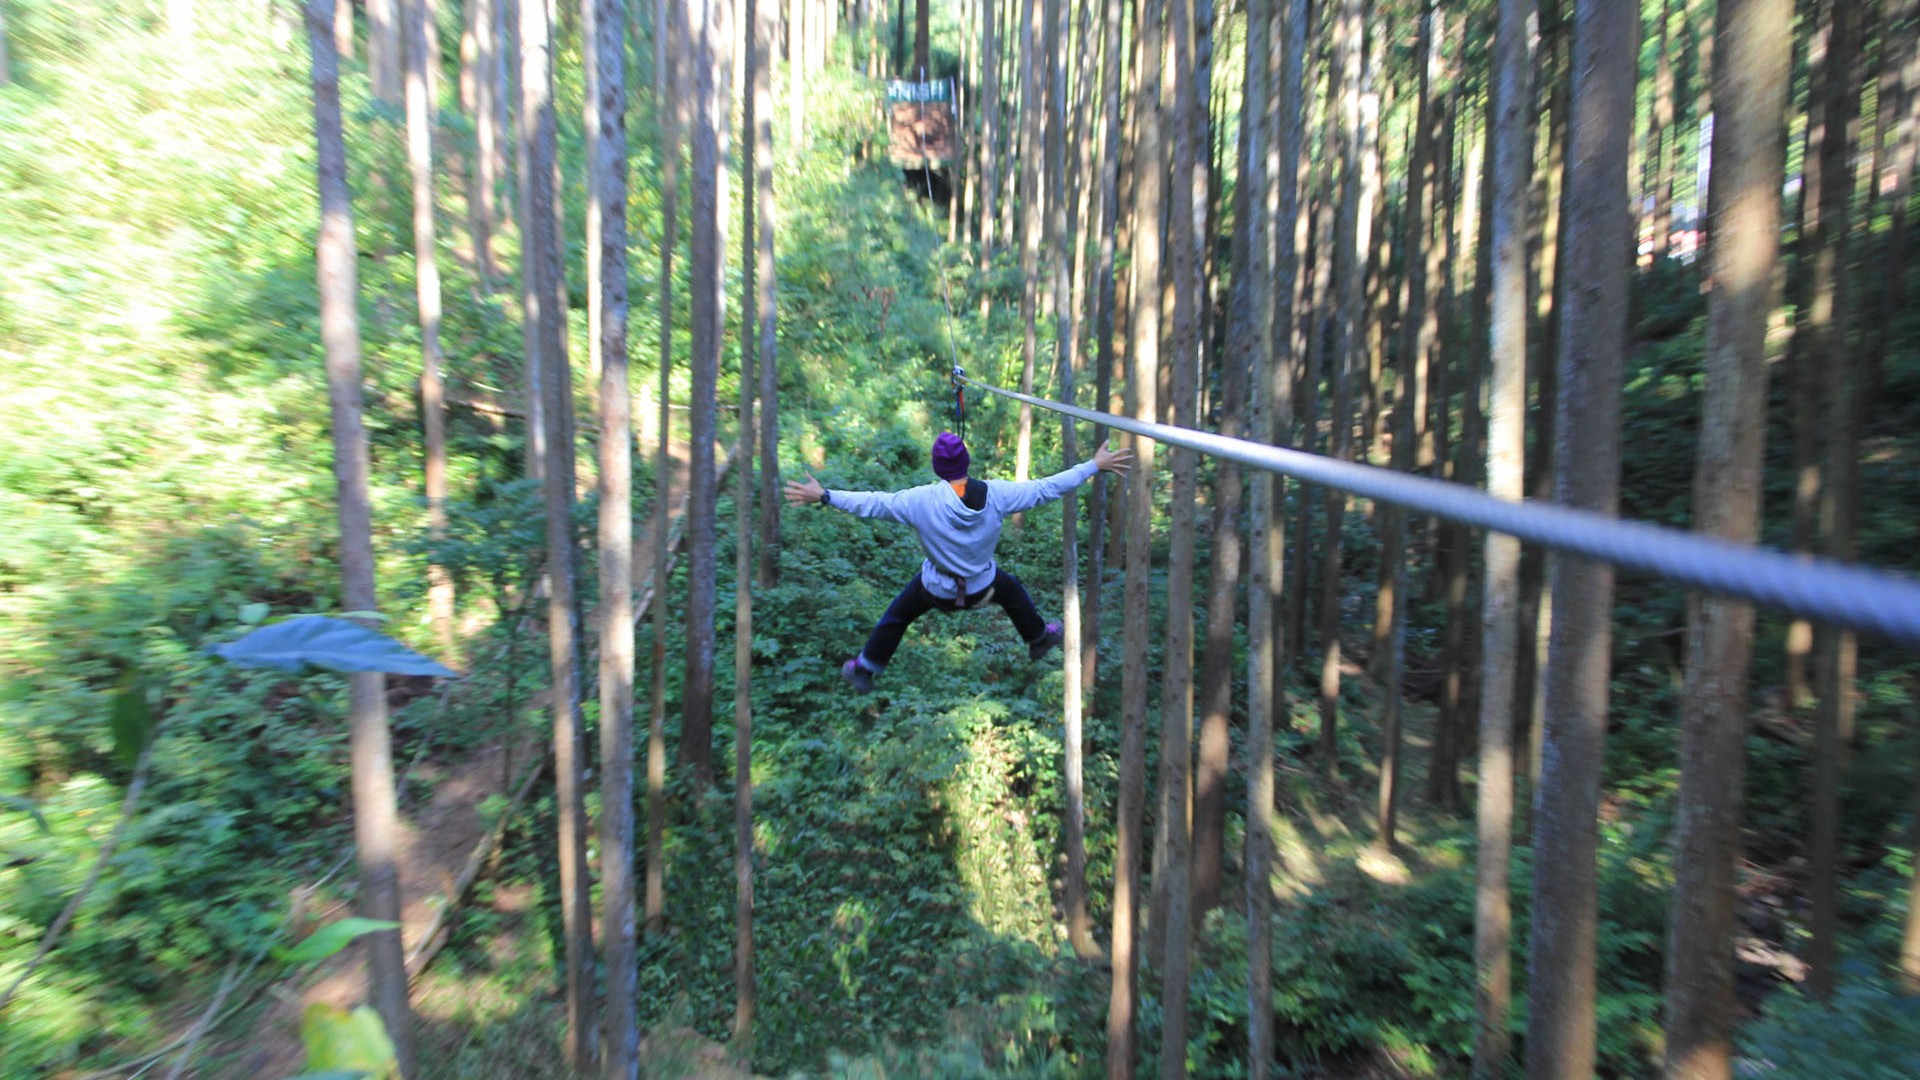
(1849, 597)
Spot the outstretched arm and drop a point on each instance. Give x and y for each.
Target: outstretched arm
(1016, 497)
(885, 505)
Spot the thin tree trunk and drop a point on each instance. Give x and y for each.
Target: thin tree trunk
(1511, 145)
(758, 30)
(433, 411)
(541, 269)
(1065, 226)
(1032, 27)
(342, 35)
(797, 72)
(987, 123)
(1111, 30)
(603, 27)
(384, 50)
(484, 196)
(1352, 241)
(1560, 975)
(668, 41)
(1828, 348)
(761, 137)
(1172, 916)
(1742, 244)
(711, 22)
(1142, 382)
(1661, 145)
(375, 817)
(920, 28)
(1249, 329)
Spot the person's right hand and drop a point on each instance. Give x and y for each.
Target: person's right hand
(799, 494)
(1117, 462)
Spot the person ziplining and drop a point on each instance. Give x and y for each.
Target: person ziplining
(958, 519)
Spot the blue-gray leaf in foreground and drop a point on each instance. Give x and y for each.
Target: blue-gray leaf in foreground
(325, 642)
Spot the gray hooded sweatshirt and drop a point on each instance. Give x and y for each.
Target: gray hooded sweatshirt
(958, 539)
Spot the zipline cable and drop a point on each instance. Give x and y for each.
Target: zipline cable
(1870, 601)
(946, 289)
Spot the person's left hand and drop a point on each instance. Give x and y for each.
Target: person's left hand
(1117, 462)
(799, 494)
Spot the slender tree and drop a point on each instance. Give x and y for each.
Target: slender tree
(375, 817)
(1249, 322)
(760, 86)
(1351, 243)
(542, 282)
(1172, 917)
(1599, 247)
(433, 411)
(711, 25)
(384, 50)
(342, 34)
(921, 26)
(797, 71)
(666, 108)
(602, 28)
(1742, 243)
(987, 121)
(483, 194)
(1109, 169)
(1032, 218)
(1661, 142)
(1142, 384)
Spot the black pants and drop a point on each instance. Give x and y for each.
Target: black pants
(914, 601)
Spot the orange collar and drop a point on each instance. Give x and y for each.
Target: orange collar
(959, 486)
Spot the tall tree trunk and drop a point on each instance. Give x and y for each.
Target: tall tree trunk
(541, 269)
(669, 40)
(1829, 349)
(1272, 418)
(1064, 226)
(797, 71)
(1443, 774)
(375, 817)
(1742, 243)
(1172, 917)
(711, 22)
(604, 29)
(1662, 146)
(1111, 30)
(1351, 243)
(987, 123)
(342, 35)
(384, 51)
(920, 28)
(1409, 406)
(1032, 29)
(758, 31)
(1249, 329)
(760, 86)
(1142, 383)
(483, 195)
(1511, 144)
(433, 410)
(1599, 241)
(1900, 83)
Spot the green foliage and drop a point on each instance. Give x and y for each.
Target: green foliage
(333, 937)
(1869, 1031)
(350, 1043)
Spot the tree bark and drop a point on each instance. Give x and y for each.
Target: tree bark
(1599, 242)
(541, 271)
(484, 190)
(1661, 144)
(1742, 244)
(668, 41)
(1512, 152)
(1142, 385)
(384, 50)
(1249, 329)
(1172, 917)
(433, 412)
(987, 123)
(761, 88)
(1828, 349)
(1032, 27)
(711, 22)
(375, 817)
(920, 27)
(603, 30)
(753, 321)
(1352, 241)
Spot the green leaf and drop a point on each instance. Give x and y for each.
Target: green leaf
(254, 614)
(333, 937)
(325, 642)
(132, 721)
(354, 1043)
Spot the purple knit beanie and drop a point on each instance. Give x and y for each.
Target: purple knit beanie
(950, 457)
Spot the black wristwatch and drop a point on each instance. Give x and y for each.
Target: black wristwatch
(826, 498)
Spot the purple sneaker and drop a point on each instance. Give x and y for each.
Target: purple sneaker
(860, 677)
(1047, 642)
